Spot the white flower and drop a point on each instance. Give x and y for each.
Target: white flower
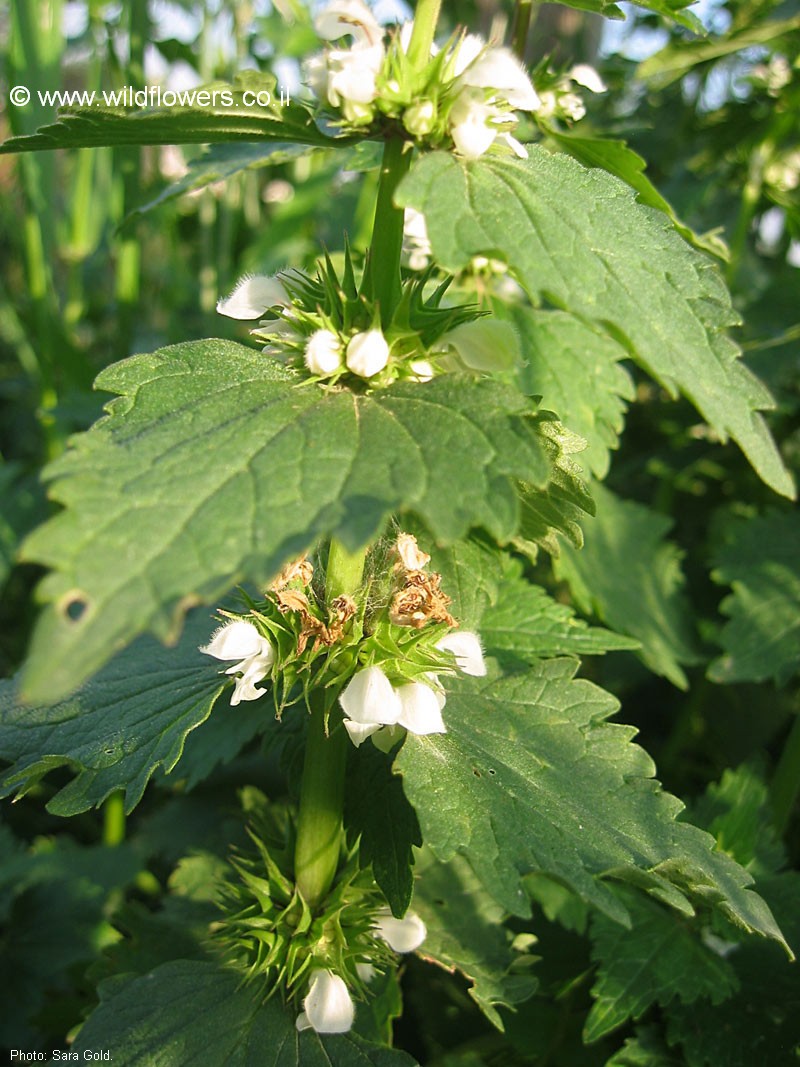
(402, 935)
(328, 1007)
(422, 370)
(470, 124)
(343, 18)
(323, 353)
(253, 296)
(367, 353)
(421, 709)
(238, 639)
(369, 699)
(499, 69)
(416, 243)
(352, 73)
(466, 648)
(467, 52)
(583, 74)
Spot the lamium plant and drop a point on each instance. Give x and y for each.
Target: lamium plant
(331, 576)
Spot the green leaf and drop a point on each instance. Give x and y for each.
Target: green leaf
(525, 624)
(578, 238)
(217, 466)
(760, 559)
(630, 576)
(657, 960)
(670, 9)
(228, 118)
(129, 720)
(376, 809)
(646, 1049)
(618, 159)
(190, 1011)
(220, 162)
(758, 1025)
(529, 778)
(466, 932)
(576, 368)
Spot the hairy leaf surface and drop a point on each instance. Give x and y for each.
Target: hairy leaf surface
(579, 238)
(530, 778)
(216, 465)
(190, 1011)
(630, 576)
(761, 560)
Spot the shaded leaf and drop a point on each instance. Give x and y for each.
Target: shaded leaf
(630, 576)
(760, 559)
(133, 717)
(466, 932)
(196, 1012)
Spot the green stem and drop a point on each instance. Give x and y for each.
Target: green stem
(319, 820)
(387, 229)
(114, 820)
(426, 16)
(522, 25)
(785, 784)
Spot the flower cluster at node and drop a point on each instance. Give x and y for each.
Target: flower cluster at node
(558, 96)
(330, 330)
(328, 1007)
(467, 95)
(321, 960)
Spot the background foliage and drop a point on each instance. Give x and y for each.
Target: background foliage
(684, 598)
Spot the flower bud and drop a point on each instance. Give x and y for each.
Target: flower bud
(367, 353)
(323, 353)
(420, 118)
(328, 1008)
(402, 935)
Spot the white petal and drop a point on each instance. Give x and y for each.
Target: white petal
(469, 125)
(519, 150)
(252, 296)
(365, 971)
(237, 639)
(367, 353)
(358, 732)
(499, 69)
(402, 935)
(302, 1022)
(328, 1005)
(323, 353)
(466, 648)
(348, 18)
(352, 74)
(421, 713)
(370, 698)
(583, 74)
(468, 51)
(423, 369)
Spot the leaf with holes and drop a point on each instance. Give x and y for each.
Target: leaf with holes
(579, 238)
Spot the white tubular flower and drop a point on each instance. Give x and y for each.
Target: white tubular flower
(470, 124)
(401, 935)
(240, 640)
(369, 699)
(253, 296)
(420, 709)
(359, 732)
(499, 69)
(343, 18)
(352, 73)
(328, 1007)
(467, 649)
(323, 353)
(422, 370)
(367, 353)
(416, 243)
(583, 74)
